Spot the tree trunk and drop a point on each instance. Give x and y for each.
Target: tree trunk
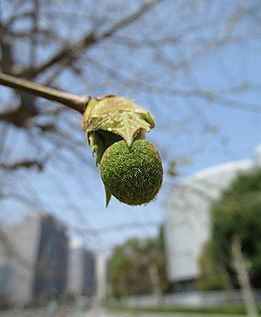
(243, 279)
(155, 282)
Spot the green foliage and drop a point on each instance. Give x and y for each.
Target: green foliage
(212, 276)
(237, 215)
(129, 267)
(132, 174)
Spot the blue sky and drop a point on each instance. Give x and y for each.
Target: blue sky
(75, 193)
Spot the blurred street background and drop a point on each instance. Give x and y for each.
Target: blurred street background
(195, 249)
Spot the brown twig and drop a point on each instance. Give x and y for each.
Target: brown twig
(78, 103)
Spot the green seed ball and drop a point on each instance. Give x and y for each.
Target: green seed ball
(132, 174)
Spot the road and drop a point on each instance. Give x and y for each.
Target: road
(97, 312)
(162, 315)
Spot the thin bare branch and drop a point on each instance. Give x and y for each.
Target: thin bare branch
(22, 164)
(72, 52)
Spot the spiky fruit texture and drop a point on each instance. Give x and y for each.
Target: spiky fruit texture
(132, 174)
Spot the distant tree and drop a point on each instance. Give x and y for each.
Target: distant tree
(137, 267)
(234, 251)
(237, 215)
(213, 276)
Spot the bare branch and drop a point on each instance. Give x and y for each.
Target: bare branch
(77, 103)
(72, 52)
(22, 164)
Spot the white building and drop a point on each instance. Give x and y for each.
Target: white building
(101, 277)
(81, 270)
(33, 259)
(18, 251)
(187, 223)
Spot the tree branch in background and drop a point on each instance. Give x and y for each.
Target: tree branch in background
(72, 52)
(22, 164)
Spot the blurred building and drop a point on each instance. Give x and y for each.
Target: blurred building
(101, 277)
(33, 259)
(81, 270)
(187, 222)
